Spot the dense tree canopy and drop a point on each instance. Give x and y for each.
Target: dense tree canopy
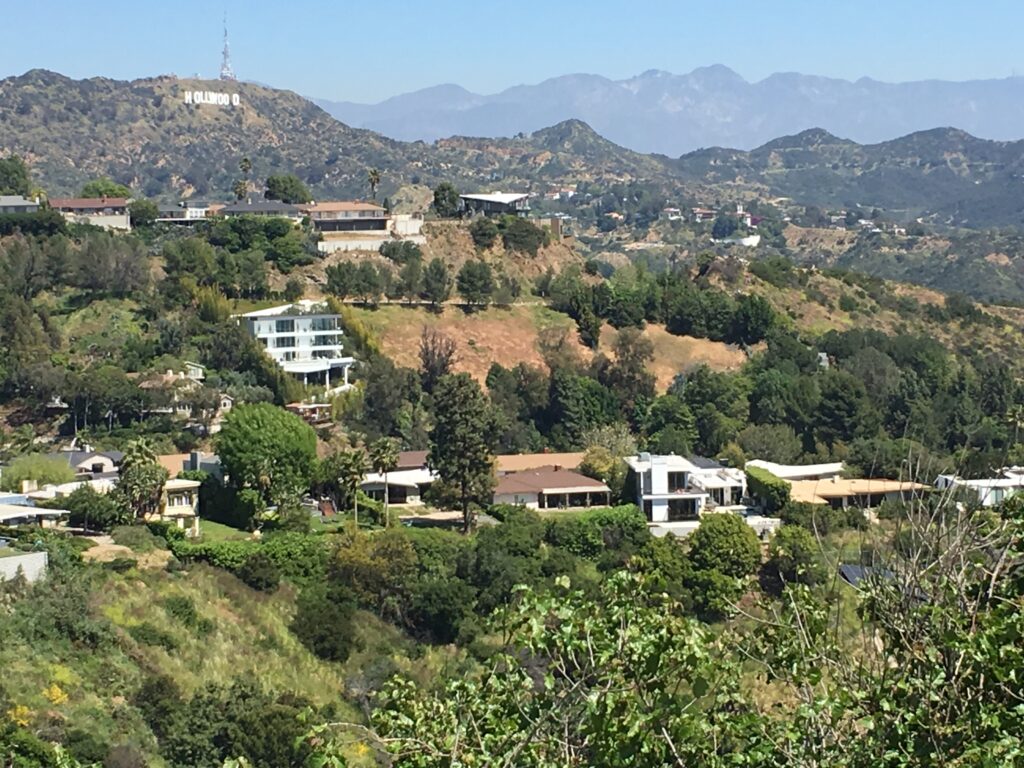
(267, 449)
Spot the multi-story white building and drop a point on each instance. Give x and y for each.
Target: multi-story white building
(304, 338)
(673, 488)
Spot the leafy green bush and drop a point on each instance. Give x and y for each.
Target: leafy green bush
(725, 543)
(518, 234)
(592, 533)
(771, 490)
(37, 467)
(793, 555)
(822, 519)
(182, 608)
(95, 511)
(323, 621)
(260, 572)
(120, 564)
(484, 232)
(300, 557)
(138, 538)
(147, 634)
(440, 609)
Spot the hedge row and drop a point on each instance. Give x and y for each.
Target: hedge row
(772, 490)
(300, 557)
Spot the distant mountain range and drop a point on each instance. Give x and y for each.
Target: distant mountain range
(143, 134)
(710, 107)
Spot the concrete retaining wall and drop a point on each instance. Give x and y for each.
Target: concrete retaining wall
(32, 564)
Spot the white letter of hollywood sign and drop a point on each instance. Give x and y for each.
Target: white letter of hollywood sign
(212, 97)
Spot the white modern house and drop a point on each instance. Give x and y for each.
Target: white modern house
(496, 203)
(988, 492)
(304, 338)
(799, 471)
(675, 488)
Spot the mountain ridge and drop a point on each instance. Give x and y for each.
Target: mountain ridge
(142, 133)
(673, 114)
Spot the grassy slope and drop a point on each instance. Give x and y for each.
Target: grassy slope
(251, 637)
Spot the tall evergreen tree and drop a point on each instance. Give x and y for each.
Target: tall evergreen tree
(460, 448)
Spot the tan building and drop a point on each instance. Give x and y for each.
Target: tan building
(179, 505)
(105, 212)
(353, 225)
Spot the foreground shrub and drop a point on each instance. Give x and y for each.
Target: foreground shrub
(323, 621)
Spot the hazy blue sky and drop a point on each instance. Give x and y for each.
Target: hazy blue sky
(367, 51)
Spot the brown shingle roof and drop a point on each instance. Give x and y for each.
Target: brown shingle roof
(548, 481)
(412, 459)
(73, 203)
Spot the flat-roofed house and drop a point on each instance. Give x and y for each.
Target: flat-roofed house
(17, 204)
(404, 486)
(257, 207)
(304, 338)
(986, 492)
(799, 471)
(675, 488)
(105, 212)
(496, 203)
(354, 225)
(861, 492)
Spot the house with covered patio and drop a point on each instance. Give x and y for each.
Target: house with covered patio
(551, 488)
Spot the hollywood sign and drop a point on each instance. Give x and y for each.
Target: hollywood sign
(212, 97)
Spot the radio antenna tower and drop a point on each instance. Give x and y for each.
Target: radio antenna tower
(226, 72)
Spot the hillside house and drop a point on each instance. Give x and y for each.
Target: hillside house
(404, 486)
(859, 493)
(89, 463)
(17, 204)
(13, 515)
(349, 225)
(179, 505)
(304, 338)
(551, 488)
(104, 212)
(257, 207)
(186, 212)
(495, 204)
(674, 488)
(987, 492)
(799, 471)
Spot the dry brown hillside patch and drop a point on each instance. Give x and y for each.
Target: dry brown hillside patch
(677, 354)
(505, 336)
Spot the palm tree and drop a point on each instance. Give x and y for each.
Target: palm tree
(1015, 416)
(384, 459)
(373, 179)
(138, 453)
(241, 189)
(245, 166)
(351, 469)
